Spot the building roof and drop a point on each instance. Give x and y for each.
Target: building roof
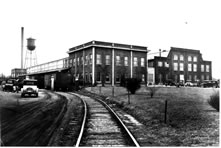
(108, 45)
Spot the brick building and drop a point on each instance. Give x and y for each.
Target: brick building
(181, 65)
(109, 63)
(16, 72)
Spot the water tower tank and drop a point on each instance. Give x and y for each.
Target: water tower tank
(31, 44)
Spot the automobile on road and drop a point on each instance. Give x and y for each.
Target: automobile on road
(29, 87)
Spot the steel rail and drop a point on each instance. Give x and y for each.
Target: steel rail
(117, 117)
(84, 120)
(121, 122)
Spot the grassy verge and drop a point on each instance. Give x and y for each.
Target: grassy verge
(191, 121)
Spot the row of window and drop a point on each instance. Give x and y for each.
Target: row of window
(117, 78)
(181, 58)
(88, 60)
(195, 78)
(160, 64)
(181, 67)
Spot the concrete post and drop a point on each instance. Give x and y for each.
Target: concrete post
(52, 82)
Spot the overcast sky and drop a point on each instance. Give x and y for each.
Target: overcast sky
(58, 25)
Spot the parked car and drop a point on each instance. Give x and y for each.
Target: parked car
(210, 83)
(170, 83)
(10, 85)
(188, 84)
(29, 87)
(3, 85)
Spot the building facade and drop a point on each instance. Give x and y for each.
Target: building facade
(181, 65)
(108, 63)
(16, 72)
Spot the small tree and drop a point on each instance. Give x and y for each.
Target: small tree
(132, 85)
(214, 100)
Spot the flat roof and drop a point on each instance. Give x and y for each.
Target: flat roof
(108, 45)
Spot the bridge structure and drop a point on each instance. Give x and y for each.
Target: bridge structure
(52, 75)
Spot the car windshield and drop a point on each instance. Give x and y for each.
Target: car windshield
(30, 83)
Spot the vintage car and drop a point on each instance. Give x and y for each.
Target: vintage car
(29, 87)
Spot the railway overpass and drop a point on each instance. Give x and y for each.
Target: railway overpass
(52, 75)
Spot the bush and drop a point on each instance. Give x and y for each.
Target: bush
(132, 85)
(214, 100)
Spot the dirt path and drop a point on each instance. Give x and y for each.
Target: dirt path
(29, 121)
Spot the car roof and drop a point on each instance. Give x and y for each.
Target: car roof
(30, 80)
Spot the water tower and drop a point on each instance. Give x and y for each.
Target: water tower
(31, 57)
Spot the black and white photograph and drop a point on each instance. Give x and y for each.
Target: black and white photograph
(110, 73)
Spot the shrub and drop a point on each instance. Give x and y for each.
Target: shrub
(132, 85)
(214, 100)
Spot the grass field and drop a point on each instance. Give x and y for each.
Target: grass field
(191, 121)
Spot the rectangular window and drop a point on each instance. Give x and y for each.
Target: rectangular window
(74, 61)
(90, 60)
(160, 64)
(181, 58)
(190, 78)
(195, 59)
(135, 62)
(207, 68)
(99, 77)
(175, 57)
(189, 58)
(207, 77)
(78, 61)
(189, 67)
(98, 59)
(107, 79)
(175, 66)
(202, 77)
(117, 78)
(166, 64)
(194, 67)
(86, 60)
(70, 62)
(202, 68)
(142, 64)
(107, 59)
(195, 78)
(118, 60)
(82, 60)
(181, 67)
(125, 61)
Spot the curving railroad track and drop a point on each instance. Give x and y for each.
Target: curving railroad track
(101, 126)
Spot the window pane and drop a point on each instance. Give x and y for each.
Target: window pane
(118, 60)
(166, 64)
(189, 58)
(175, 66)
(181, 66)
(175, 57)
(181, 58)
(125, 61)
(195, 59)
(142, 62)
(202, 68)
(160, 64)
(189, 67)
(98, 59)
(207, 68)
(194, 67)
(135, 61)
(107, 59)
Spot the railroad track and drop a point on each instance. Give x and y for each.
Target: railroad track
(101, 126)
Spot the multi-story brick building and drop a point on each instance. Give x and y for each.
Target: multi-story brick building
(181, 65)
(109, 63)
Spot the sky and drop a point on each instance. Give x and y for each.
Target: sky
(58, 25)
